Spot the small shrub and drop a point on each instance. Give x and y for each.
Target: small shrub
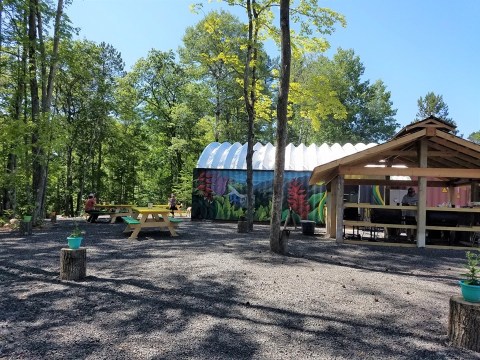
(472, 265)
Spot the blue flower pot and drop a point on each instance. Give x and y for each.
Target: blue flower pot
(74, 242)
(470, 293)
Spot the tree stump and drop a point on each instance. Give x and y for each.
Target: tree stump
(73, 263)
(242, 226)
(25, 227)
(464, 324)
(308, 227)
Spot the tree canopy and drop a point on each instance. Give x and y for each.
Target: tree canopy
(333, 103)
(73, 121)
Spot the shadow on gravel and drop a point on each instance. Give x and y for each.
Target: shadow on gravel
(212, 293)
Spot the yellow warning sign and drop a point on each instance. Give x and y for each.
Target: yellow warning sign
(444, 190)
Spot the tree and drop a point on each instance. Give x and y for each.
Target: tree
(40, 108)
(314, 99)
(257, 14)
(168, 104)
(314, 21)
(475, 137)
(87, 77)
(277, 243)
(13, 68)
(213, 53)
(433, 105)
(345, 108)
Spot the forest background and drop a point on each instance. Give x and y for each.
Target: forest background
(74, 121)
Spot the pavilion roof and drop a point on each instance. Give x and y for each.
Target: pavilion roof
(449, 158)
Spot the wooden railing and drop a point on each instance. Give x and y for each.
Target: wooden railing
(367, 223)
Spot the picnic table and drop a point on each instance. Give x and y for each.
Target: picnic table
(150, 217)
(114, 210)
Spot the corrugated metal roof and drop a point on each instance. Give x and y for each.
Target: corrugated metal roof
(297, 158)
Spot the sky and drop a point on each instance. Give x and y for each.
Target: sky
(413, 46)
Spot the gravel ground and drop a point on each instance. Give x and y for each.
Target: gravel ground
(212, 293)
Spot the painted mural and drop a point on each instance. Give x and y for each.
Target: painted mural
(221, 195)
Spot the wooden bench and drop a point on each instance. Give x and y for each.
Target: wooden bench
(181, 211)
(175, 221)
(379, 225)
(454, 228)
(373, 226)
(405, 226)
(130, 220)
(115, 215)
(86, 215)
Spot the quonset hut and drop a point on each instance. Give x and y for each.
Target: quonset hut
(220, 188)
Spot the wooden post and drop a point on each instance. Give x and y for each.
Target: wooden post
(464, 324)
(339, 208)
(328, 212)
(422, 196)
(73, 263)
(475, 191)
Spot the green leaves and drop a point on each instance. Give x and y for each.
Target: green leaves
(434, 105)
(334, 104)
(472, 265)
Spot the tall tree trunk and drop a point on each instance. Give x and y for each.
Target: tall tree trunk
(69, 183)
(249, 96)
(282, 103)
(98, 172)
(37, 151)
(54, 60)
(40, 159)
(10, 190)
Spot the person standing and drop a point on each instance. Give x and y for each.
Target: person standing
(90, 208)
(409, 199)
(172, 204)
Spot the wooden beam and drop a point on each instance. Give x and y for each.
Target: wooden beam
(465, 154)
(320, 171)
(459, 141)
(422, 196)
(331, 209)
(413, 153)
(339, 208)
(394, 171)
(447, 163)
(431, 130)
(395, 183)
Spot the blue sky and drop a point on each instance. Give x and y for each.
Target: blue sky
(413, 46)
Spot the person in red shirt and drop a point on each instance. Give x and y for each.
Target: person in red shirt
(90, 208)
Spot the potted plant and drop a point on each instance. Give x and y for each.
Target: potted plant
(26, 212)
(471, 285)
(75, 238)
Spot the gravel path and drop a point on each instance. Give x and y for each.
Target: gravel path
(212, 293)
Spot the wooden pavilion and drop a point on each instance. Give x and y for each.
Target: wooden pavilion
(427, 151)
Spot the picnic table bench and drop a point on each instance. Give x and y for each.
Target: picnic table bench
(114, 210)
(150, 217)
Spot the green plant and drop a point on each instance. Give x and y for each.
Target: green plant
(25, 210)
(472, 265)
(76, 232)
